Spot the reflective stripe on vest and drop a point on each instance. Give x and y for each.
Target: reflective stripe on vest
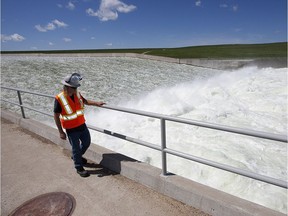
(72, 116)
(65, 103)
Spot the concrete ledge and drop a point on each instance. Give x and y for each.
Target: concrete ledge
(220, 64)
(230, 64)
(207, 199)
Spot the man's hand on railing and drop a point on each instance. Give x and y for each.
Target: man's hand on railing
(94, 103)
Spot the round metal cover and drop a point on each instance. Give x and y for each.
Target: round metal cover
(50, 204)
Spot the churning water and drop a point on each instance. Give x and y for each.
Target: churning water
(250, 98)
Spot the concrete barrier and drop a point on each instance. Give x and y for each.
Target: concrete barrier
(202, 197)
(220, 64)
(277, 62)
(231, 64)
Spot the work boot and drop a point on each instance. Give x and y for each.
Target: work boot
(84, 160)
(82, 172)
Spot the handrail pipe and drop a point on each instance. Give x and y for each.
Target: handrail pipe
(162, 148)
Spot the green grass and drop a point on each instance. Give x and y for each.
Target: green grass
(226, 51)
(213, 51)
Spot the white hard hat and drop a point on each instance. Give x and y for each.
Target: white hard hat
(72, 80)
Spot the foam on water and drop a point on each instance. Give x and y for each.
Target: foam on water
(248, 98)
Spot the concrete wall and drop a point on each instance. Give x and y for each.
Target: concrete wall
(220, 64)
(207, 199)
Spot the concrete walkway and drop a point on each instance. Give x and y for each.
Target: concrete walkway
(31, 166)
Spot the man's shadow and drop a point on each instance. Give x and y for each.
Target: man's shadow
(109, 165)
(98, 169)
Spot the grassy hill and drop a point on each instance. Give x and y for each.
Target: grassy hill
(213, 51)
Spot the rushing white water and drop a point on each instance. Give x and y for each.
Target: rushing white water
(250, 98)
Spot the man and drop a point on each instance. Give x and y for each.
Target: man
(69, 114)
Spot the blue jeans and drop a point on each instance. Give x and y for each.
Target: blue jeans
(80, 142)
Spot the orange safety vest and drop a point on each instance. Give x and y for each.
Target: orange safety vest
(72, 114)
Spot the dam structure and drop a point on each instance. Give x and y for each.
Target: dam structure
(175, 194)
(220, 64)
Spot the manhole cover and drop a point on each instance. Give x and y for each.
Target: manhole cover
(50, 204)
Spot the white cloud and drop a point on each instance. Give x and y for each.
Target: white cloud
(14, 37)
(223, 5)
(67, 39)
(237, 29)
(70, 6)
(235, 7)
(109, 9)
(40, 28)
(109, 44)
(51, 26)
(198, 3)
(51, 44)
(59, 23)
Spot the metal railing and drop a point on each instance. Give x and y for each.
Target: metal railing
(163, 149)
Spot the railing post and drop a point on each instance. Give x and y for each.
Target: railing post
(163, 147)
(20, 102)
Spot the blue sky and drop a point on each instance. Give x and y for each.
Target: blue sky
(113, 24)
